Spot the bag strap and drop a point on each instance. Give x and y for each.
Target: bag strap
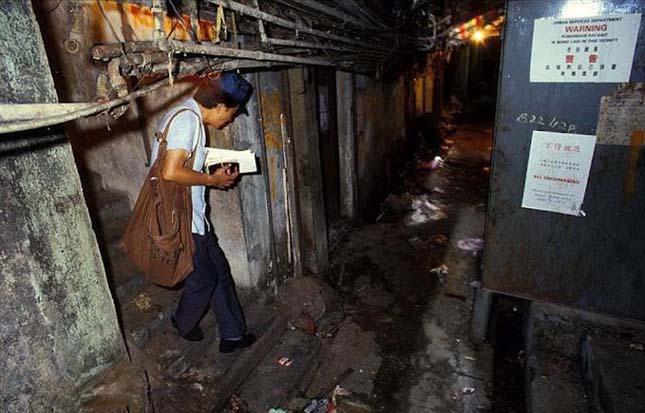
(163, 137)
(161, 154)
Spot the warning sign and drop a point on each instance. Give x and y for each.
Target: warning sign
(557, 172)
(591, 49)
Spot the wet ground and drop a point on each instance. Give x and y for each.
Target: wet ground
(420, 319)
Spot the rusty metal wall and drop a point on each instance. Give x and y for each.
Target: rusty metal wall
(595, 262)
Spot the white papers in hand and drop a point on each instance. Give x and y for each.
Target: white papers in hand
(245, 159)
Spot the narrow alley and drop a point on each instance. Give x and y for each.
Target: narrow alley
(393, 332)
(322, 206)
(406, 283)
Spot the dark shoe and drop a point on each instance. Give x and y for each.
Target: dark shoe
(196, 334)
(228, 346)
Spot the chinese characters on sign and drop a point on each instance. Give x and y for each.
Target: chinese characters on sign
(557, 172)
(591, 49)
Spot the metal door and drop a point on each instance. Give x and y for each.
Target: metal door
(595, 262)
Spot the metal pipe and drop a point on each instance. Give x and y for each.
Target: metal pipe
(186, 70)
(174, 46)
(26, 111)
(310, 45)
(249, 11)
(366, 13)
(212, 50)
(99, 107)
(330, 11)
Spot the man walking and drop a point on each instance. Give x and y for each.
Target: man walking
(217, 102)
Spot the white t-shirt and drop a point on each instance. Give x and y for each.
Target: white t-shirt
(187, 132)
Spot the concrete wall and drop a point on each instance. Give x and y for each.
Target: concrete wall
(59, 325)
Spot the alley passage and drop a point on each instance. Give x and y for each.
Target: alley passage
(407, 286)
(396, 335)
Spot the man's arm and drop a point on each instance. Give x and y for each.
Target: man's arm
(175, 171)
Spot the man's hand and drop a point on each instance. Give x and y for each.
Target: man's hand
(174, 170)
(224, 177)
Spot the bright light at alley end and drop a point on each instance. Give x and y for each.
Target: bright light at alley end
(478, 36)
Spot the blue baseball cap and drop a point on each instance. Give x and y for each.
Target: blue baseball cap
(237, 88)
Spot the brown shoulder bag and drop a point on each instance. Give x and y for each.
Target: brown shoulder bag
(158, 238)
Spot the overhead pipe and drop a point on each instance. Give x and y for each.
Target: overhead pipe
(310, 45)
(27, 111)
(173, 46)
(329, 11)
(367, 14)
(267, 17)
(212, 50)
(69, 113)
(88, 111)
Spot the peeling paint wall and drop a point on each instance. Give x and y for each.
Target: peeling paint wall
(59, 325)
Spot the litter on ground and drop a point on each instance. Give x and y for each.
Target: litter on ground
(285, 361)
(468, 390)
(473, 245)
(425, 211)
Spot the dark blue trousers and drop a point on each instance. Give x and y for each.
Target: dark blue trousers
(210, 284)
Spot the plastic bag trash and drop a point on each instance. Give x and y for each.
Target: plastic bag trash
(285, 361)
(425, 211)
(442, 269)
(638, 347)
(277, 411)
(339, 392)
(431, 165)
(468, 390)
(441, 273)
(317, 406)
(473, 245)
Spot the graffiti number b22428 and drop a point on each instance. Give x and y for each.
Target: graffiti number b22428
(551, 122)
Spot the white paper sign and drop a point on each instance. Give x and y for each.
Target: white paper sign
(589, 49)
(558, 170)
